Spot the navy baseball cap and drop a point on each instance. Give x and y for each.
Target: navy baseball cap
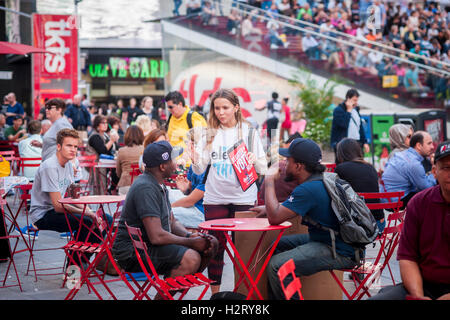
(160, 152)
(442, 151)
(303, 150)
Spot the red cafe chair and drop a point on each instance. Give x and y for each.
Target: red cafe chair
(367, 273)
(295, 285)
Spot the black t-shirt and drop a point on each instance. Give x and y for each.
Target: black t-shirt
(146, 198)
(363, 178)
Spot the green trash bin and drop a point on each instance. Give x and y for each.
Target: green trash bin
(380, 138)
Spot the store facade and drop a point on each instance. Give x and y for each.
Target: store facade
(114, 70)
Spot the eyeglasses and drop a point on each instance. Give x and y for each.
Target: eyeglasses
(49, 107)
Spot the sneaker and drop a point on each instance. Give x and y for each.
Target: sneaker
(273, 46)
(64, 235)
(29, 231)
(286, 44)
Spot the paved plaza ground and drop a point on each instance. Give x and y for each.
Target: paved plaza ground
(50, 287)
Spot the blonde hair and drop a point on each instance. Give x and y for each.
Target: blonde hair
(143, 122)
(144, 100)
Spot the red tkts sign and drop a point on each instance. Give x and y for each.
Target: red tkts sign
(245, 171)
(54, 75)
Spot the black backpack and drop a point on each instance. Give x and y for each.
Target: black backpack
(357, 225)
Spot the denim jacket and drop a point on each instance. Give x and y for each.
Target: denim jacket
(405, 172)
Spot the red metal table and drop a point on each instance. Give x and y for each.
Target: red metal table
(246, 225)
(106, 243)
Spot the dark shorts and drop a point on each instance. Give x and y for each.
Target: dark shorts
(164, 259)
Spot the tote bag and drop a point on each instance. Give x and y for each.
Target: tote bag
(5, 168)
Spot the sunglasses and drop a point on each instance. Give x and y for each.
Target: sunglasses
(49, 107)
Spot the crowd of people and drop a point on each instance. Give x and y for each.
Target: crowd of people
(403, 28)
(193, 151)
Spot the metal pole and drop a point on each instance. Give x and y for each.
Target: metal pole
(78, 46)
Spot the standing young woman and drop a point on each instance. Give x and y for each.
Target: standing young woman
(223, 193)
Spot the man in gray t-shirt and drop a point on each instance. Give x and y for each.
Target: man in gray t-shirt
(50, 177)
(50, 184)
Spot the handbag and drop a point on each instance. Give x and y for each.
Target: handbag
(5, 168)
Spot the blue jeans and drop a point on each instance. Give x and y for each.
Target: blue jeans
(381, 225)
(177, 5)
(309, 257)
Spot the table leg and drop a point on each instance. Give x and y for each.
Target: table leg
(244, 267)
(241, 276)
(269, 255)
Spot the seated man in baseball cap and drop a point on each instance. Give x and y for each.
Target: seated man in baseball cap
(424, 248)
(172, 249)
(311, 252)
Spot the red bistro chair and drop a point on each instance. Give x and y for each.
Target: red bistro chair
(88, 162)
(81, 247)
(165, 287)
(31, 240)
(25, 163)
(8, 236)
(135, 171)
(365, 275)
(295, 285)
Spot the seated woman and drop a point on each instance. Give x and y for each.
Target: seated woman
(361, 175)
(399, 136)
(128, 155)
(100, 142)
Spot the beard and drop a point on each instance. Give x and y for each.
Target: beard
(289, 177)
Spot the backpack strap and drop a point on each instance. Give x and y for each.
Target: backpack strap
(168, 121)
(189, 119)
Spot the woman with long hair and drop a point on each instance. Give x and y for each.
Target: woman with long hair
(360, 174)
(223, 193)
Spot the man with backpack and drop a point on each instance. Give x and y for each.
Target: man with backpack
(181, 119)
(323, 248)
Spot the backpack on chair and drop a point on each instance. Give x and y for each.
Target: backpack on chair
(357, 225)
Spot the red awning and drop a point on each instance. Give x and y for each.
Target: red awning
(17, 48)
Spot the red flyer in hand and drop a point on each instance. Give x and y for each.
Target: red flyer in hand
(245, 172)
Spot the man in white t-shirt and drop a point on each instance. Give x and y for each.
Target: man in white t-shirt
(27, 150)
(310, 46)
